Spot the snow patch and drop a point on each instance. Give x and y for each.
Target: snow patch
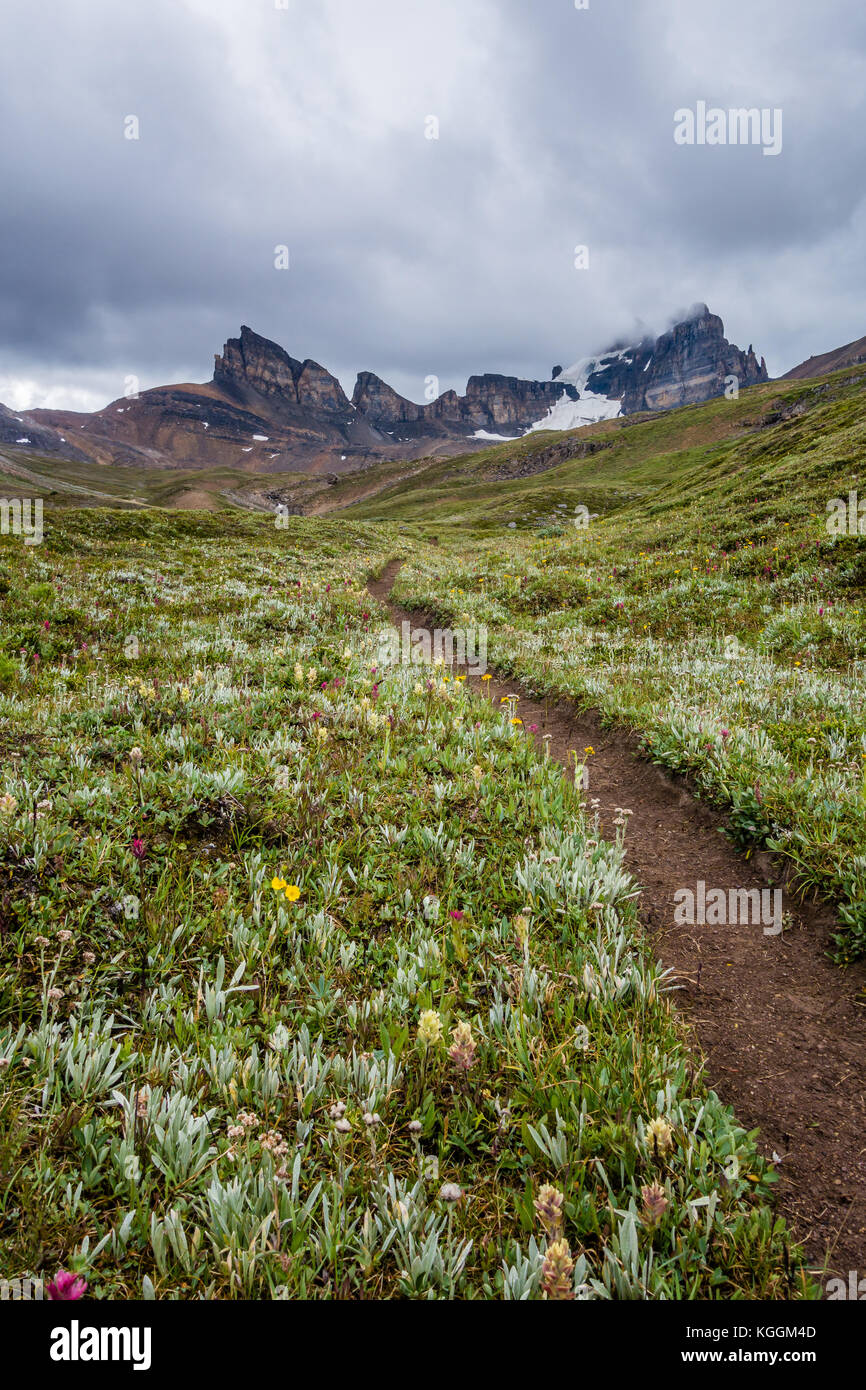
(592, 407)
(574, 415)
(23, 440)
(497, 438)
(262, 438)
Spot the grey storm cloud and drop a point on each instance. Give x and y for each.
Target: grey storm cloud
(262, 124)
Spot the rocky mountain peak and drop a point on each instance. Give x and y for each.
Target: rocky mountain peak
(381, 404)
(254, 363)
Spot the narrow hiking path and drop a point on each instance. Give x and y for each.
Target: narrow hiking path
(780, 1027)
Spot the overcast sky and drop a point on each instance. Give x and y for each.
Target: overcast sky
(306, 126)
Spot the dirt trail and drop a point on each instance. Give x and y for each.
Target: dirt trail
(779, 1025)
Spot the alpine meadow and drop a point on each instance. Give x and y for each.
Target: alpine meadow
(433, 814)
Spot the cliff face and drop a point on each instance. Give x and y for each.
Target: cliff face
(257, 364)
(253, 363)
(505, 402)
(491, 402)
(689, 364)
(381, 404)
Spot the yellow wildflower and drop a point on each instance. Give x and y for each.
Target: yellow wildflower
(429, 1027)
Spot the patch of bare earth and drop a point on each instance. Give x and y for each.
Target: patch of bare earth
(780, 1028)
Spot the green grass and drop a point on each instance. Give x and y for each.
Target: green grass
(366, 1088)
(211, 1089)
(717, 616)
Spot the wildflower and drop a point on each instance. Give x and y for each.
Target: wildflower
(64, 935)
(450, 1192)
(516, 721)
(655, 1203)
(343, 1127)
(521, 928)
(293, 892)
(371, 1119)
(278, 884)
(659, 1135)
(55, 995)
(135, 756)
(429, 1028)
(273, 1142)
(548, 1207)
(557, 1271)
(248, 1118)
(198, 677)
(337, 1110)
(88, 957)
(456, 915)
(139, 848)
(184, 693)
(65, 1287)
(462, 1049)
(477, 774)
(8, 805)
(415, 1126)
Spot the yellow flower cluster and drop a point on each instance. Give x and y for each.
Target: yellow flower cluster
(147, 692)
(291, 890)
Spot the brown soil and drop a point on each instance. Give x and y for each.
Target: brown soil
(780, 1027)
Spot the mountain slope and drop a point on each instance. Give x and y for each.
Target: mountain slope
(851, 355)
(726, 452)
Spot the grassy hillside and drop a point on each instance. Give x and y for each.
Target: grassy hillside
(714, 613)
(731, 450)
